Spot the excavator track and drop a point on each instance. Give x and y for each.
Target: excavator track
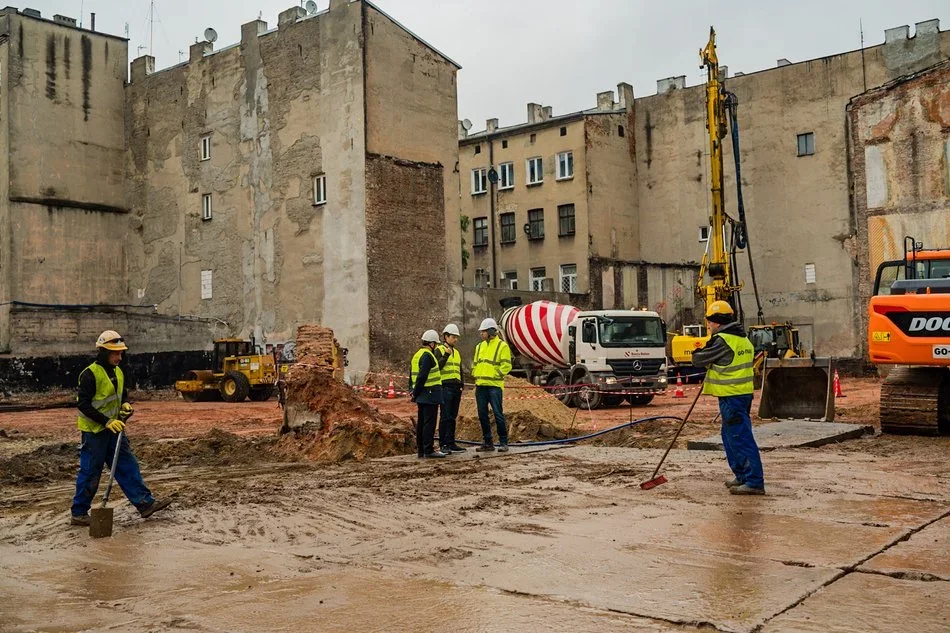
(916, 401)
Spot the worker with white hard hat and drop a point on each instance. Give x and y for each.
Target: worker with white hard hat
(425, 383)
(490, 365)
(450, 365)
(103, 409)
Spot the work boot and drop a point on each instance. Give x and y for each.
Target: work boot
(436, 455)
(82, 519)
(455, 448)
(743, 489)
(151, 508)
(485, 448)
(732, 483)
(503, 448)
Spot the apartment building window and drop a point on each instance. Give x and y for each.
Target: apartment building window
(568, 277)
(478, 149)
(479, 181)
(563, 131)
(535, 170)
(620, 131)
(537, 279)
(206, 147)
(206, 206)
(506, 176)
(206, 284)
(704, 234)
(504, 144)
(536, 224)
(320, 189)
(507, 228)
(806, 144)
(480, 225)
(482, 278)
(509, 279)
(565, 165)
(565, 220)
(810, 276)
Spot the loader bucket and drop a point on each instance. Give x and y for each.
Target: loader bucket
(798, 389)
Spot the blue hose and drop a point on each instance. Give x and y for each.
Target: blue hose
(572, 440)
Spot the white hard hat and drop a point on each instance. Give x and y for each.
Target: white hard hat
(430, 336)
(488, 324)
(453, 329)
(111, 340)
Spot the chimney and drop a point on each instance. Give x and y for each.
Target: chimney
(491, 125)
(535, 112)
(290, 16)
(141, 67)
(546, 113)
(93, 22)
(252, 29)
(928, 27)
(605, 100)
(33, 13)
(670, 83)
(896, 34)
(782, 62)
(625, 94)
(198, 50)
(739, 74)
(62, 19)
(723, 73)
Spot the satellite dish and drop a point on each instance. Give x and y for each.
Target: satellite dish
(210, 35)
(467, 124)
(311, 7)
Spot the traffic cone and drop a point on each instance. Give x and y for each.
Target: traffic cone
(837, 385)
(391, 394)
(679, 393)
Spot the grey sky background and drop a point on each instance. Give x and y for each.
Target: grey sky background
(555, 52)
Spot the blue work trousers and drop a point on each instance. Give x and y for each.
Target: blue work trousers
(742, 452)
(491, 396)
(451, 399)
(97, 451)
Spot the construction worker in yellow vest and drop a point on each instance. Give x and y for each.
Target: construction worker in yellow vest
(728, 358)
(490, 365)
(450, 365)
(425, 382)
(103, 408)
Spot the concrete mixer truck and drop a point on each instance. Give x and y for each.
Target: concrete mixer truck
(588, 358)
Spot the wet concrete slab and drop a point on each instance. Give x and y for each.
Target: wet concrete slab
(925, 555)
(869, 603)
(791, 434)
(470, 454)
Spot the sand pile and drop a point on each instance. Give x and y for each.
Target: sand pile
(521, 395)
(523, 426)
(325, 419)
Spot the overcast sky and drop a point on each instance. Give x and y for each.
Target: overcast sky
(555, 52)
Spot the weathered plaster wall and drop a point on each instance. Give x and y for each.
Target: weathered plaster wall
(900, 153)
(281, 108)
(411, 114)
(798, 207)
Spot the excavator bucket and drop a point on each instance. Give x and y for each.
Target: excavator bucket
(798, 389)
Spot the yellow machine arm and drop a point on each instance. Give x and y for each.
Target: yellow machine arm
(716, 262)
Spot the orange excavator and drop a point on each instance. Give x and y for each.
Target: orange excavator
(909, 327)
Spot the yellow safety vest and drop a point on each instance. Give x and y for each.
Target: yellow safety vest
(107, 400)
(734, 379)
(452, 370)
(435, 377)
(492, 363)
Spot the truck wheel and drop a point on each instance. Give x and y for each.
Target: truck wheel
(262, 393)
(558, 387)
(639, 399)
(587, 397)
(235, 387)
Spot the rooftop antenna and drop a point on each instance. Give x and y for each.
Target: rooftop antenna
(181, 55)
(151, 26)
(139, 51)
(81, 5)
(126, 30)
(864, 70)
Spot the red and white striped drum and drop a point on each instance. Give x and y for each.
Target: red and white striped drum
(539, 331)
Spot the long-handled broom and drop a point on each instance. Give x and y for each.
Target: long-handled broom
(655, 481)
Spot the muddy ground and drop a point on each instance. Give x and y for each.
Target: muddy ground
(852, 537)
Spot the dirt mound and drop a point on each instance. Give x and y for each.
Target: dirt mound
(52, 461)
(326, 420)
(523, 426)
(521, 395)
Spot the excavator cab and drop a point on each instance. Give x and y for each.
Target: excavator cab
(909, 327)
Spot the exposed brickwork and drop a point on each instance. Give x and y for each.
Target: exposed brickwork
(405, 229)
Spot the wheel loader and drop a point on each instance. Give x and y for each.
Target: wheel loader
(239, 371)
